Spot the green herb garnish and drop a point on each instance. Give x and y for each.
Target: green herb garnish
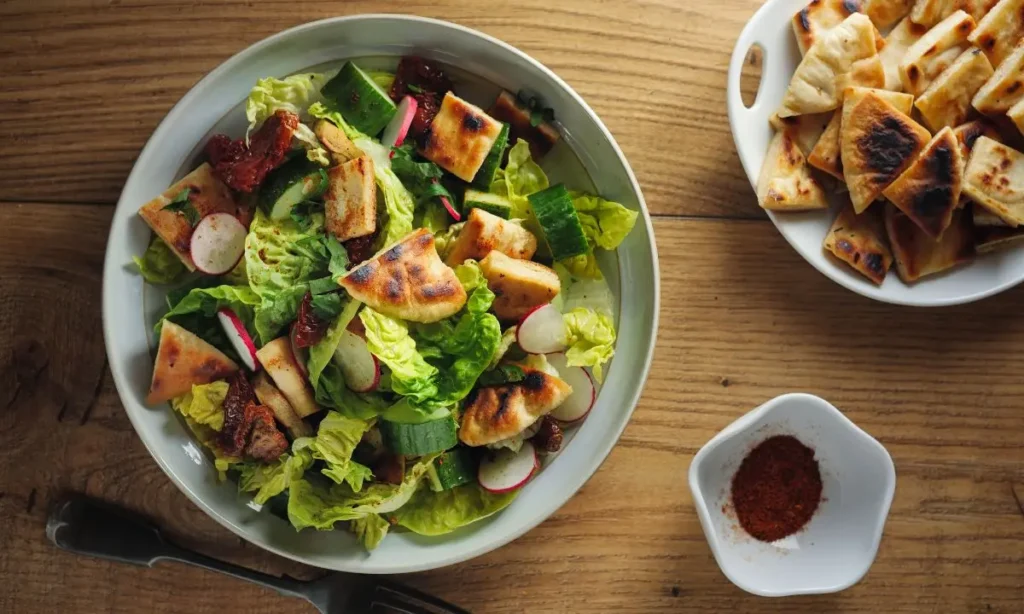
(327, 306)
(502, 374)
(412, 87)
(538, 112)
(182, 204)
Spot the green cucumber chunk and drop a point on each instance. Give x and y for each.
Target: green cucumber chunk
(419, 439)
(362, 102)
(491, 203)
(485, 176)
(558, 221)
(455, 468)
(289, 184)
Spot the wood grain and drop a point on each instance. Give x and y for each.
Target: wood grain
(76, 107)
(743, 319)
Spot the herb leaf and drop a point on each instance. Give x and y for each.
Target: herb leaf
(502, 374)
(339, 257)
(182, 204)
(422, 179)
(412, 87)
(538, 112)
(327, 306)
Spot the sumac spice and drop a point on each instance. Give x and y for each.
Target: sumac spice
(777, 488)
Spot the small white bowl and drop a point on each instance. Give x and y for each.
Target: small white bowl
(836, 548)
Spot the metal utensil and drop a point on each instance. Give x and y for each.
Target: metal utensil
(87, 526)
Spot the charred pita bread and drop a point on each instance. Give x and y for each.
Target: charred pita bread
(984, 217)
(994, 179)
(930, 12)
(1000, 30)
(878, 143)
(819, 17)
(869, 72)
(935, 51)
(184, 360)
(1006, 86)
(967, 134)
(947, 101)
(804, 129)
(206, 194)
(899, 41)
(786, 183)
(491, 414)
(929, 190)
(904, 103)
(1016, 113)
(884, 13)
(408, 281)
(813, 88)
(917, 255)
(988, 239)
(859, 241)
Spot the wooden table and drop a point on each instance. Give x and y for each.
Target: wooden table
(84, 82)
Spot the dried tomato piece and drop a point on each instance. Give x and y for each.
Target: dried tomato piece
(422, 75)
(236, 428)
(427, 106)
(309, 329)
(243, 167)
(266, 442)
(549, 435)
(361, 249)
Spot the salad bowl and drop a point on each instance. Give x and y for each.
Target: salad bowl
(589, 159)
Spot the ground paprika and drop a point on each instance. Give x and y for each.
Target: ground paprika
(777, 488)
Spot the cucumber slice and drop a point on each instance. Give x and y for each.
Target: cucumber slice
(289, 184)
(485, 176)
(361, 100)
(419, 439)
(455, 468)
(558, 221)
(491, 203)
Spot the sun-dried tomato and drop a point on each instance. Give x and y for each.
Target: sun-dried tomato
(425, 82)
(361, 248)
(427, 106)
(242, 167)
(309, 329)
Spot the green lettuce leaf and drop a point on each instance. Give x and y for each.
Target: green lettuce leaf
(389, 340)
(591, 339)
(445, 239)
(332, 392)
(205, 302)
(268, 480)
(321, 353)
(204, 404)
(294, 94)
(434, 217)
(470, 276)
(370, 530)
(520, 178)
(437, 513)
(336, 440)
(605, 223)
(159, 264)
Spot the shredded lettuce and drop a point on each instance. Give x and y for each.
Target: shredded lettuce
(336, 440)
(294, 94)
(268, 480)
(389, 340)
(437, 513)
(159, 264)
(591, 339)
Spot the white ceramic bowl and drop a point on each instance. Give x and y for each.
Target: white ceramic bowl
(838, 545)
(771, 29)
(483, 64)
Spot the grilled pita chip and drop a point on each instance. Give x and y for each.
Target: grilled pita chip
(878, 143)
(206, 194)
(994, 179)
(884, 13)
(408, 281)
(804, 129)
(929, 190)
(1016, 113)
(984, 217)
(1000, 30)
(935, 51)
(918, 255)
(1005, 88)
(947, 101)
(930, 12)
(967, 134)
(899, 41)
(819, 17)
(182, 361)
(492, 414)
(786, 183)
(813, 88)
(859, 241)
(988, 239)
(869, 72)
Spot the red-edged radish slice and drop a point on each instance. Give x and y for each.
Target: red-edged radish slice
(300, 354)
(506, 470)
(396, 130)
(218, 242)
(359, 366)
(542, 331)
(239, 337)
(451, 210)
(584, 393)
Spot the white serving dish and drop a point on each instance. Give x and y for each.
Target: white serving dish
(482, 64)
(838, 545)
(771, 29)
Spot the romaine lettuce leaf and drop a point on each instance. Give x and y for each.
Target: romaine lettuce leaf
(470, 276)
(370, 530)
(321, 353)
(389, 340)
(294, 94)
(437, 513)
(159, 264)
(204, 404)
(605, 223)
(520, 178)
(336, 439)
(268, 480)
(205, 302)
(591, 339)
(332, 392)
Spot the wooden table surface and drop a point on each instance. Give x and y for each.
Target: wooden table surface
(84, 82)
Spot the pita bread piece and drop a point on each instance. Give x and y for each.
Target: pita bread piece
(878, 143)
(918, 255)
(813, 88)
(1000, 30)
(184, 360)
(819, 17)
(1016, 113)
(805, 129)
(884, 13)
(930, 12)
(994, 179)
(929, 190)
(1006, 86)
(935, 51)
(988, 239)
(206, 194)
(869, 72)
(897, 44)
(984, 217)
(968, 134)
(947, 101)
(408, 281)
(859, 241)
(491, 414)
(786, 183)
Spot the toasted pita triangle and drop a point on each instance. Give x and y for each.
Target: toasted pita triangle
(878, 144)
(491, 414)
(968, 134)
(805, 129)
(929, 190)
(859, 241)
(988, 239)
(1000, 30)
(408, 281)
(1005, 88)
(918, 255)
(1016, 113)
(899, 41)
(884, 13)
(182, 361)
(935, 51)
(786, 183)
(930, 12)
(947, 101)
(994, 179)
(819, 17)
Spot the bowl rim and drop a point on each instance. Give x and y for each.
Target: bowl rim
(122, 380)
(743, 424)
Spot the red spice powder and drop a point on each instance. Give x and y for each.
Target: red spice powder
(777, 488)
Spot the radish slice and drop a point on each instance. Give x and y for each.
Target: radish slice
(542, 331)
(506, 470)
(218, 242)
(239, 337)
(300, 354)
(584, 393)
(451, 210)
(359, 366)
(398, 127)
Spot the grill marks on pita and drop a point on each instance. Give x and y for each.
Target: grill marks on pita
(929, 191)
(859, 241)
(994, 179)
